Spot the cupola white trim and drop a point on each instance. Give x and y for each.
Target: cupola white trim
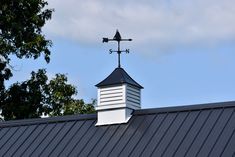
(116, 103)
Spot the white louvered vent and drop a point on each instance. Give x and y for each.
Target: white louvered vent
(133, 96)
(111, 95)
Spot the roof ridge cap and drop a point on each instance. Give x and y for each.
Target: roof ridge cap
(184, 108)
(22, 122)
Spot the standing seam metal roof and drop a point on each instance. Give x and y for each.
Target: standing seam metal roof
(198, 130)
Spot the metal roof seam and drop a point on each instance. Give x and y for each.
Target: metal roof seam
(125, 129)
(80, 139)
(8, 138)
(227, 142)
(108, 140)
(72, 137)
(221, 132)
(33, 140)
(187, 132)
(154, 133)
(198, 133)
(143, 134)
(25, 139)
(52, 139)
(4, 134)
(62, 138)
(99, 140)
(16, 140)
(119, 139)
(175, 133)
(209, 132)
(131, 136)
(43, 139)
(88, 141)
(164, 133)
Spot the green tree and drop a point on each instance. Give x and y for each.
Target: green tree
(59, 94)
(79, 107)
(61, 101)
(39, 96)
(21, 23)
(26, 99)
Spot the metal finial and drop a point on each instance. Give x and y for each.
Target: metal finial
(117, 37)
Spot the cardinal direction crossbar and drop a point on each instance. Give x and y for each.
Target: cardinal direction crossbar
(117, 37)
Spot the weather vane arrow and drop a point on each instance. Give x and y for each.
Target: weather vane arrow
(117, 37)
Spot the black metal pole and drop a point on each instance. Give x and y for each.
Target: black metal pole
(119, 53)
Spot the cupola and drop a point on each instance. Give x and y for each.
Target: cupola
(118, 94)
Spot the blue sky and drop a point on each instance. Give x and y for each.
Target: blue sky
(183, 51)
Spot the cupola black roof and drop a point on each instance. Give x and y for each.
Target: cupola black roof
(118, 76)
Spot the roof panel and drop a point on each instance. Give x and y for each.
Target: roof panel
(95, 140)
(128, 134)
(38, 140)
(199, 130)
(7, 136)
(215, 132)
(12, 149)
(146, 138)
(66, 139)
(82, 143)
(3, 131)
(138, 135)
(77, 137)
(229, 150)
(12, 140)
(181, 134)
(27, 143)
(224, 137)
(203, 133)
(170, 134)
(115, 138)
(157, 138)
(57, 139)
(192, 134)
(104, 140)
(49, 137)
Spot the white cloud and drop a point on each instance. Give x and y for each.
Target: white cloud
(164, 23)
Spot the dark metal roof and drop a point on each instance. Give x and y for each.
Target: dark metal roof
(198, 130)
(118, 76)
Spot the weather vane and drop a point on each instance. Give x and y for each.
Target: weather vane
(117, 37)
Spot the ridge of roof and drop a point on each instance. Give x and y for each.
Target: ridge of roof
(118, 76)
(227, 104)
(58, 119)
(67, 118)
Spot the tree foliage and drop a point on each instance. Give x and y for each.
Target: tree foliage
(59, 94)
(26, 99)
(21, 27)
(39, 96)
(21, 23)
(79, 107)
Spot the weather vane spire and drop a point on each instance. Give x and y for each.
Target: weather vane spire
(117, 37)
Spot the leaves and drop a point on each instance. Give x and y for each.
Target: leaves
(26, 99)
(39, 96)
(21, 23)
